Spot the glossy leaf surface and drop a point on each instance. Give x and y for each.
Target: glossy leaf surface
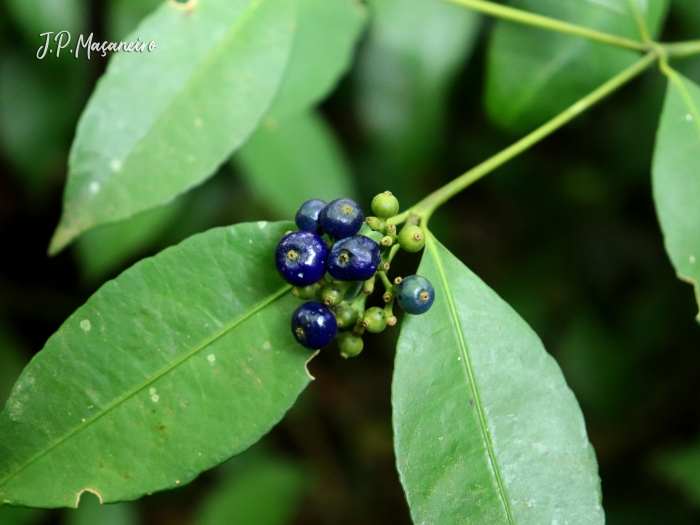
(323, 48)
(182, 361)
(161, 122)
(263, 491)
(676, 177)
(486, 429)
(533, 74)
(290, 161)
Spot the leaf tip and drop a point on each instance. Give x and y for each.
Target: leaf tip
(62, 237)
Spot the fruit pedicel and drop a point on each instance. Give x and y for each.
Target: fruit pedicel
(337, 276)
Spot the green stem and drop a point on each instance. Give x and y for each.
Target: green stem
(682, 49)
(524, 17)
(425, 208)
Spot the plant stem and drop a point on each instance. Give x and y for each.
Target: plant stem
(425, 208)
(682, 49)
(524, 17)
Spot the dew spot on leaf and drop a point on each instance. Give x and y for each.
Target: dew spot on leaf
(85, 325)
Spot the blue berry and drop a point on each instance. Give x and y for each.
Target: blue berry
(307, 216)
(341, 218)
(301, 258)
(416, 295)
(314, 325)
(354, 259)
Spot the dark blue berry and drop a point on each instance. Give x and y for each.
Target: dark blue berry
(301, 258)
(314, 325)
(416, 295)
(354, 259)
(307, 216)
(341, 218)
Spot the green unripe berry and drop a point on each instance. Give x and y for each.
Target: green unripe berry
(332, 295)
(412, 238)
(350, 344)
(345, 315)
(376, 224)
(305, 292)
(385, 205)
(374, 320)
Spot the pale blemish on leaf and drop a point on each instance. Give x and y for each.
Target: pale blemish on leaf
(94, 187)
(262, 224)
(198, 123)
(689, 117)
(211, 358)
(154, 397)
(692, 259)
(267, 345)
(116, 165)
(92, 491)
(85, 325)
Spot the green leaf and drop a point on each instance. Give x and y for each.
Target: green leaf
(414, 50)
(125, 15)
(681, 468)
(263, 492)
(290, 161)
(182, 361)
(21, 516)
(161, 122)
(91, 512)
(105, 249)
(36, 119)
(676, 177)
(533, 74)
(39, 16)
(323, 49)
(485, 425)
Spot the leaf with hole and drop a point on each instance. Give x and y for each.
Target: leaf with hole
(485, 426)
(184, 360)
(161, 122)
(676, 177)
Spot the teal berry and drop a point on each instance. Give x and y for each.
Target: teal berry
(354, 259)
(307, 218)
(415, 295)
(341, 218)
(301, 258)
(314, 325)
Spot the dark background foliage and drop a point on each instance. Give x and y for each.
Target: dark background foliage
(566, 233)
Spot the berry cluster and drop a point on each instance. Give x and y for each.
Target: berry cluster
(340, 273)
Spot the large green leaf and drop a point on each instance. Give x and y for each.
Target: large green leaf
(414, 50)
(676, 177)
(486, 429)
(161, 122)
(182, 361)
(290, 161)
(533, 74)
(264, 491)
(323, 48)
(124, 16)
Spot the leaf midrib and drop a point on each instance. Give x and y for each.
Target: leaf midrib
(466, 360)
(154, 377)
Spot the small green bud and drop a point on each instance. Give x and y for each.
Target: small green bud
(368, 286)
(385, 205)
(305, 292)
(391, 321)
(350, 344)
(374, 320)
(386, 241)
(412, 238)
(332, 295)
(345, 315)
(376, 224)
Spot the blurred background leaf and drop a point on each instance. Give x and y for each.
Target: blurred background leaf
(39, 16)
(290, 161)
(533, 74)
(405, 73)
(91, 512)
